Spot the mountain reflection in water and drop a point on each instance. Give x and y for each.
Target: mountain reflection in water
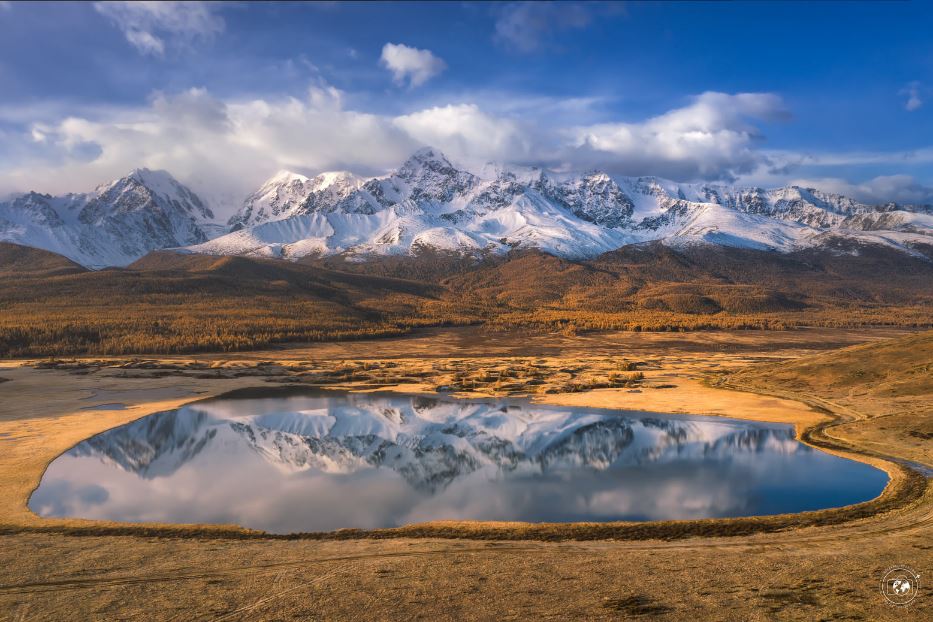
(330, 460)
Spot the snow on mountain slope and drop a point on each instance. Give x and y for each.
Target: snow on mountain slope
(429, 202)
(716, 224)
(290, 194)
(115, 224)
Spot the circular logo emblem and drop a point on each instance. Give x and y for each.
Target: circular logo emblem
(900, 585)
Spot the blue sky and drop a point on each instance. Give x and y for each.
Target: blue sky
(222, 95)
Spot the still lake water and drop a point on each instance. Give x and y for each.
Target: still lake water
(325, 460)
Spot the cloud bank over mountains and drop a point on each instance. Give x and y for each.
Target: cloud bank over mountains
(225, 94)
(211, 143)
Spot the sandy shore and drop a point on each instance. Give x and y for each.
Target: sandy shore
(58, 569)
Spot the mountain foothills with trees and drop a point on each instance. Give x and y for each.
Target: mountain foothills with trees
(170, 302)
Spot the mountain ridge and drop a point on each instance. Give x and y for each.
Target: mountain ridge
(430, 203)
(430, 443)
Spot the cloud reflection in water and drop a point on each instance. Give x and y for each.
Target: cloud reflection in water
(329, 460)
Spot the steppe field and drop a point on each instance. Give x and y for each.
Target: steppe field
(866, 394)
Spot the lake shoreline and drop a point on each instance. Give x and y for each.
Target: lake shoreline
(318, 459)
(904, 487)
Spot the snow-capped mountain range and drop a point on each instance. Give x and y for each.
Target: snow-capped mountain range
(430, 202)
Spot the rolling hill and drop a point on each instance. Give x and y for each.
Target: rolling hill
(182, 302)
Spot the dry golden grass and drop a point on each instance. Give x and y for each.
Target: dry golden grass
(885, 389)
(168, 303)
(798, 573)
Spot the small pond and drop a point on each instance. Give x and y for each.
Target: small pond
(323, 460)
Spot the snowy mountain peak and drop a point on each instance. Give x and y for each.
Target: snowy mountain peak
(597, 198)
(153, 178)
(116, 224)
(597, 177)
(320, 181)
(424, 162)
(288, 194)
(432, 177)
(286, 177)
(430, 202)
(143, 189)
(335, 178)
(426, 156)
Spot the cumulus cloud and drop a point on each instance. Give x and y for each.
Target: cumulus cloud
(524, 26)
(410, 64)
(212, 143)
(149, 26)
(467, 133)
(66, 140)
(224, 149)
(192, 108)
(219, 147)
(713, 137)
(914, 102)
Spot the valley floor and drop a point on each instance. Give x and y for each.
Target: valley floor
(67, 569)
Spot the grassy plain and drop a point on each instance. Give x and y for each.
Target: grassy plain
(799, 569)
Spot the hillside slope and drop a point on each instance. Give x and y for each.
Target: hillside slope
(175, 302)
(184, 303)
(702, 280)
(885, 387)
(24, 260)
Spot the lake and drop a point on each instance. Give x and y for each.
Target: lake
(322, 460)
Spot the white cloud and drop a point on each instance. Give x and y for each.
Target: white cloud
(218, 147)
(466, 133)
(146, 42)
(236, 144)
(525, 26)
(882, 189)
(411, 64)
(789, 160)
(914, 100)
(228, 147)
(711, 138)
(149, 25)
